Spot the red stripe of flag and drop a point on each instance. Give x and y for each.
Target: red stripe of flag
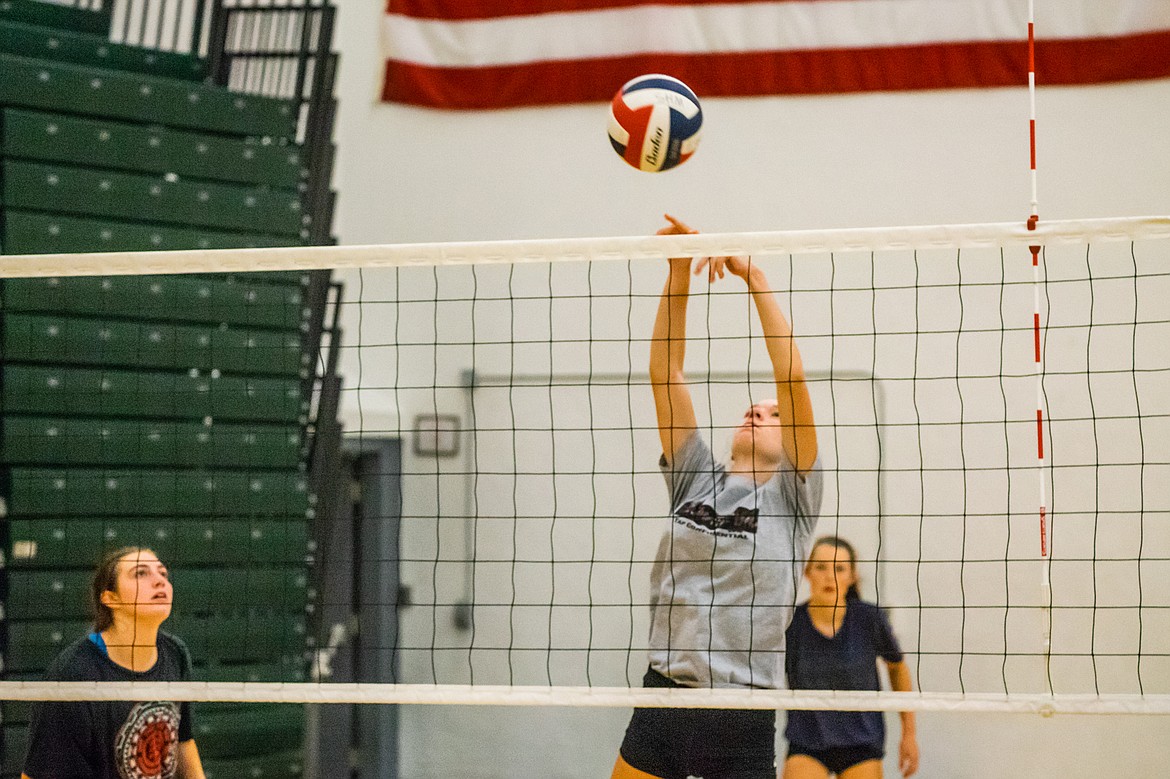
(803, 72)
(464, 10)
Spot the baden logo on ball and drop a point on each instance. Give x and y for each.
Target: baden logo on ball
(655, 122)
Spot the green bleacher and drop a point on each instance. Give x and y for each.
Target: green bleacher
(120, 343)
(55, 16)
(199, 591)
(164, 411)
(110, 94)
(105, 392)
(230, 733)
(33, 135)
(82, 48)
(53, 233)
(130, 442)
(221, 541)
(177, 298)
(39, 186)
(61, 492)
(268, 766)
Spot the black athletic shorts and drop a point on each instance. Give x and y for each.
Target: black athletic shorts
(839, 759)
(706, 743)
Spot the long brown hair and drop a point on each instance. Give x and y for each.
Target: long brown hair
(105, 577)
(840, 543)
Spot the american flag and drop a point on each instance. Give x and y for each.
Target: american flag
(487, 54)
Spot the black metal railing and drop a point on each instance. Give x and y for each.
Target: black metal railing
(283, 49)
(325, 462)
(274, 48)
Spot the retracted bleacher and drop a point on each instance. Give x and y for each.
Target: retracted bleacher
(169, 411)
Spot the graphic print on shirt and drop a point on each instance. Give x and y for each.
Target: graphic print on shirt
(146, 744)
(742, 523)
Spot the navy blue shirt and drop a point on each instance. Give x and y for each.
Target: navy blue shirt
(847, 661)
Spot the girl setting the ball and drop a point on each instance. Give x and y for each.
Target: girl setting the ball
(724, 581)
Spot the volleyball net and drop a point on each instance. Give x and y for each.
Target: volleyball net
(993, 428)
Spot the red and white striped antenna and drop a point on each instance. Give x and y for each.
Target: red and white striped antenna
(1045, 568)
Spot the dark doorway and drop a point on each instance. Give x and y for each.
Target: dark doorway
(358, 637)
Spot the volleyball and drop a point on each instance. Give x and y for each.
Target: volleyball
(654, 122)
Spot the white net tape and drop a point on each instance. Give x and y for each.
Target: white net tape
(621, 697)
(585, 249)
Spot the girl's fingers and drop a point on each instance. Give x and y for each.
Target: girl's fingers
(679, 227)
(715, 266)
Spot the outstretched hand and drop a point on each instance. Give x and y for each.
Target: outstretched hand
(676, 227)
(736, 265)
(716, 267)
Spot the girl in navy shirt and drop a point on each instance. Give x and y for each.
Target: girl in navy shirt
(833, 643)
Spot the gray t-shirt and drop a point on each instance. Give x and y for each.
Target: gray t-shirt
(724, 582)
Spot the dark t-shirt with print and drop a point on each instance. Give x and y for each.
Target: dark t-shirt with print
(110, 739)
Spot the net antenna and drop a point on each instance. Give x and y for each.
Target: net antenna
(1033, 219)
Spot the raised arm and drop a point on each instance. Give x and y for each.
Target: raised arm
(672, 399)
(792, 397)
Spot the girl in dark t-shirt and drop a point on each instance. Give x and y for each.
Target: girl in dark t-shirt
(834, 642)
(131, 598)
